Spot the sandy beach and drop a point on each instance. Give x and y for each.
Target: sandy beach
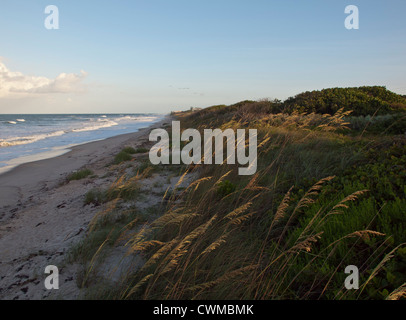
(42, 214)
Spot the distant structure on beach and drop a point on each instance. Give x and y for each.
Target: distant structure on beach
(191, 109)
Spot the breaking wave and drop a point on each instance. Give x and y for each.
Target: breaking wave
(29, 139)
(13, 141)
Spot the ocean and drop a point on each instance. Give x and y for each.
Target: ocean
(30, 137)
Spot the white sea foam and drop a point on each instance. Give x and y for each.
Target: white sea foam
(139, 119)
(125, 118)
(28, 139)
(106, 124)
(91, 125)
(14, 141)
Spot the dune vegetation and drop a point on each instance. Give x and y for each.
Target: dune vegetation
(329, 191)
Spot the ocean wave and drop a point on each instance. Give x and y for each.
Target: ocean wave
(125, 118)
(29, 139)
(139, 119)
(34, 138)
(106, 124)
(92, 125)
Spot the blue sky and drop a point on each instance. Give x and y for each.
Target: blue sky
(158, 56)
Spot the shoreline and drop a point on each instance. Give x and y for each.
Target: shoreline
(61, 164)
(59, 151)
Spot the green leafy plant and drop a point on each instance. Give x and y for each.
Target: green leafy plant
(84, 173)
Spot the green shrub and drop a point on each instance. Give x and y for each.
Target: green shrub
(381, 124)
(129, 150)
(121, 157)
(79, 174)
(95, 196)
(225, 187)
(361, 100)
(141, 150)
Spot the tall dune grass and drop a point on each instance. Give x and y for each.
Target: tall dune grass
(287, 232)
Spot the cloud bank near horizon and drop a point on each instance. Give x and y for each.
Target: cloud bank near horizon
(15, 84)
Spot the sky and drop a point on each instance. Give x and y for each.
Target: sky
(131, 56)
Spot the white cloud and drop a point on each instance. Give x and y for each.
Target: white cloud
(15, 83)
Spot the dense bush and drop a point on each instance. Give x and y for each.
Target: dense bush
(381, 124)
(362, 101)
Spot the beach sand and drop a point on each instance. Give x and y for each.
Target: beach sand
(41, 215)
